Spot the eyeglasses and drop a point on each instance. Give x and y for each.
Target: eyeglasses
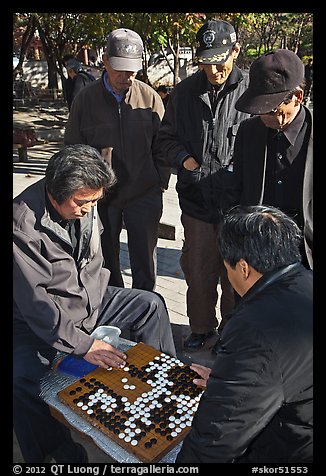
(285, 101)
(276, 110)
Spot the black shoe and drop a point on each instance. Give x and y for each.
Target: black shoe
(196, 341)
(83, 454)
(76, 453)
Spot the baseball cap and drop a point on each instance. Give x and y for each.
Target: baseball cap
(74, 64)
(216, 39)
(271, 77)
(124, 50)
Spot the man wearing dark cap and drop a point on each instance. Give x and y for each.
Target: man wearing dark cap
(197, 133)
(120, 116)
(273, 156)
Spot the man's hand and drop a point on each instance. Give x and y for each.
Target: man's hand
(105, 355)
(204, 372)
(190, 164)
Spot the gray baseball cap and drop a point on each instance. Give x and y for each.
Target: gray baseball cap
(124, 50)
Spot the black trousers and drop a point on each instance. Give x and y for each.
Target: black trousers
(142, 315)
(141, 218)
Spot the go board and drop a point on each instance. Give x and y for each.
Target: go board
(147, 407)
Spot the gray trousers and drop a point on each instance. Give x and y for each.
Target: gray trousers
(141, 314)
(141, 218)
(203, 268)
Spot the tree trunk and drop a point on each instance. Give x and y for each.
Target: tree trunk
(52, 73)
(176, 76)
(27, 37)
(49, 53)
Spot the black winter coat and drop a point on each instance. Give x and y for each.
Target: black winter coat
(257, 407)
(249, 171)
(189, 127)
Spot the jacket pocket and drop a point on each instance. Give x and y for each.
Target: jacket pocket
(189, 177)
(224, 189)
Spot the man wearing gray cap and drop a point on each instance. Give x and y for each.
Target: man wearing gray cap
(197, 133)
(120, 116)
(273, 155)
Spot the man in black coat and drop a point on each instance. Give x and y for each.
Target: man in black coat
(257, 406)
(197, 134)
(273, 152)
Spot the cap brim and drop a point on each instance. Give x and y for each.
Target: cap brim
(212, 55)
(125, 64)
(259, 103)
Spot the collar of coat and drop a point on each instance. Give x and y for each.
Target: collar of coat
(266, 280)
(235, 77)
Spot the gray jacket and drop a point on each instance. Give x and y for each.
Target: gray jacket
(55, 296)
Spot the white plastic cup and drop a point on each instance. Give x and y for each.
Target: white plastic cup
(108, 334)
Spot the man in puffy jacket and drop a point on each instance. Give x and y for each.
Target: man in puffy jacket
(197, 135)
(61, 294)
(258, 404)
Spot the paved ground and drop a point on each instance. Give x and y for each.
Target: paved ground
(49, 121)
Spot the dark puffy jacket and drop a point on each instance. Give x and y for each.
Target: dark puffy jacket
(81, 80)
(257, 407)
(189, 127)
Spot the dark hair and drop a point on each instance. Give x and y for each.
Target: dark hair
(67, 57)
(162, 89)
(265, 237)
(75, 167)
(290, 94)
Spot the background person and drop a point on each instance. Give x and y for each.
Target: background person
(68, 82)
(197, 135)
(277, 167)
(79, 77)
(258, 404)
(122, 114)
(162, 90)
(61, 294)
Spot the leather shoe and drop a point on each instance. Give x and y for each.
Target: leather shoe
(83, 454)
(73, 453)
(196, 341)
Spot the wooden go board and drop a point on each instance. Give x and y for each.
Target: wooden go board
(147, 407)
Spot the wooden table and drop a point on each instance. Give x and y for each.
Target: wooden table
(55, 381)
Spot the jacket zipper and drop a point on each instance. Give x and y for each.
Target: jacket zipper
(120, 124)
